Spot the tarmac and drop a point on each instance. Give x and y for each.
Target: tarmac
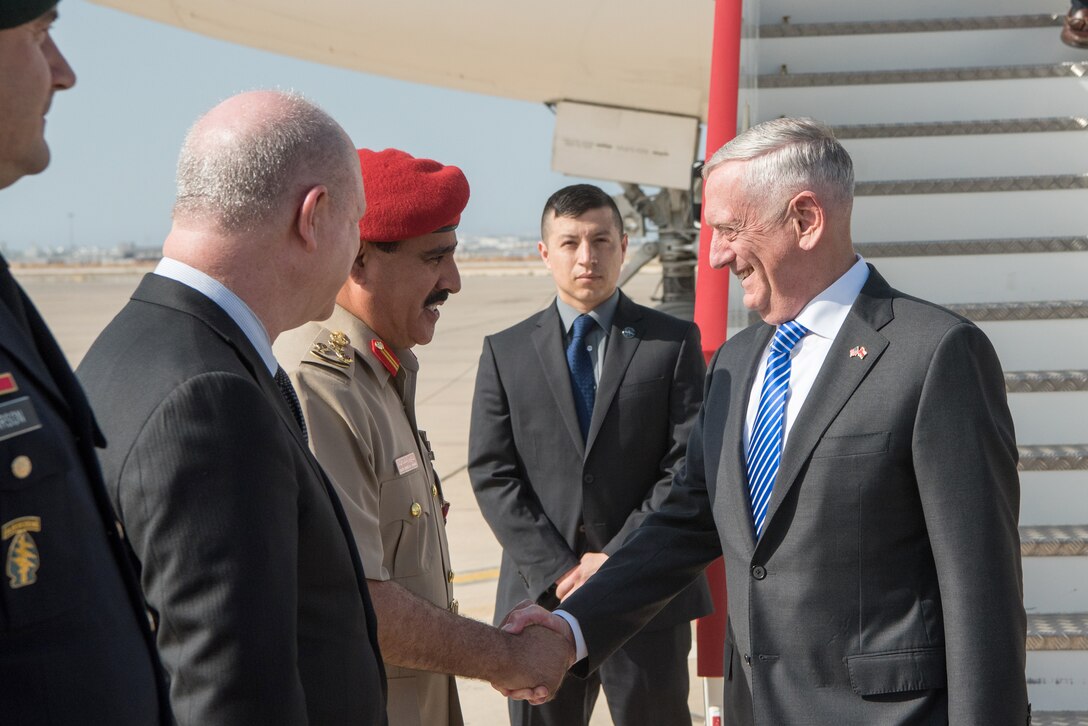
(78, 302)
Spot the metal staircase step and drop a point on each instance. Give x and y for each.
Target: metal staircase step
(786, 79)
(1003, 312)
(925, 102)
(1053, 458)
(1059, 718)
(1010, 246)
(1046, 381)
(1057, 631)
(1054, 541)
(1045, 182)
(786, 29)
(962, 128)
(1007, 311)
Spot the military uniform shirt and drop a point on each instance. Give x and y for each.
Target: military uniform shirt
(362, 430)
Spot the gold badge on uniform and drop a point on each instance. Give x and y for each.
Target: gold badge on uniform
(23, 560)
(334, 351)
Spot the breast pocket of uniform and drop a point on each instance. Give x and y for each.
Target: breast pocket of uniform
(41, 492)
(406, 523)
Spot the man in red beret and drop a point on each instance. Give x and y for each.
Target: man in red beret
(356, 378)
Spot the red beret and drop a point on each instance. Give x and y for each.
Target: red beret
(408, 197)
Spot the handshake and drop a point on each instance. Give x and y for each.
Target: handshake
(539, 650)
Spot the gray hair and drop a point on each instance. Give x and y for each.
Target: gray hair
(241, 178)
(790, 155)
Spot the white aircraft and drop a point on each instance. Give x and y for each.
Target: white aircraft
(637, 54)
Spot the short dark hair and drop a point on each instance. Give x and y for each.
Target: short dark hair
(576, 200)
(387, 247)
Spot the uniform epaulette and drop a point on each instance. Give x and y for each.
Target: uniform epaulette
(332, 349)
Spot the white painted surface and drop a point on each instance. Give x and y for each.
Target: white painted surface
(1056, 585)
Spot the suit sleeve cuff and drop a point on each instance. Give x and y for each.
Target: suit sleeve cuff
(580, 650)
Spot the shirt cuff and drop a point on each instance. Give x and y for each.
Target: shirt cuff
(580, 650)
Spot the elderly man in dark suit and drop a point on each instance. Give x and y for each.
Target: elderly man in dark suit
(855, 464)
(245, 553)
(581, 413)
(75, 642)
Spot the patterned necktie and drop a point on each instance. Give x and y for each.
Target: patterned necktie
(288, 391)
(765, 444)
(582, 383)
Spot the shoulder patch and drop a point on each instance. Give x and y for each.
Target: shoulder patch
(332, 349)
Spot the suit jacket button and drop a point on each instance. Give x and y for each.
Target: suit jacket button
(588, 478)
(416, 510)
(747, 659)
(759, 572)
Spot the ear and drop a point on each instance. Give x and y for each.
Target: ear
(358, 267)
(807, 219)
(307, 215)
(542, 248)
(623, 245)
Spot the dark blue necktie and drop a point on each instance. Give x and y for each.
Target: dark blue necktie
(765, 445)
(582, 384)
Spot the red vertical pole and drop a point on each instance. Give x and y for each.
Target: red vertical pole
(712, 286)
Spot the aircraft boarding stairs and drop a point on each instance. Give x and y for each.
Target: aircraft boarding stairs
(968, 125)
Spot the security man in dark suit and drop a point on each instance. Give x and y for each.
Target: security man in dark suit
(581, 413)
(75, 639)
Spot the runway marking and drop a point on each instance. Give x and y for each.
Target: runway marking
(475, 576)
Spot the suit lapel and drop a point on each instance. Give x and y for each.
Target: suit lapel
(18, 343)
(18, 346)
(734, 467)
(836, 382)
(618, 353)
(548, 339)
(159, 290)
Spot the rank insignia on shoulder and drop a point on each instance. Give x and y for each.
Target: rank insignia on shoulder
(23, 560)
(8, 384)
(335, 351)
(387, 358)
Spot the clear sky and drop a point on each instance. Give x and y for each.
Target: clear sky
(140, 85)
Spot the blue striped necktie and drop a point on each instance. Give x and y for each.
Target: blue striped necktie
(765, 443)
(583, 384)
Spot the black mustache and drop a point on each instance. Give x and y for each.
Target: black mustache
(436, 297)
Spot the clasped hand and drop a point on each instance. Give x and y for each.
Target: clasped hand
(540, 654)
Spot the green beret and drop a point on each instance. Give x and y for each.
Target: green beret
(14, 13)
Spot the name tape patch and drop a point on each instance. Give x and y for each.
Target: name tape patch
(406, 463)
(18, 417)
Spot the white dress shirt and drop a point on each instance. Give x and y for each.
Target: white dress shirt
(823, 316)
(232, 305)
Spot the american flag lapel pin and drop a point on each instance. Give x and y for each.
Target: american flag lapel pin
(859, 352)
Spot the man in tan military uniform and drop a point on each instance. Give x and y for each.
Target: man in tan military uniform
(356, 376)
